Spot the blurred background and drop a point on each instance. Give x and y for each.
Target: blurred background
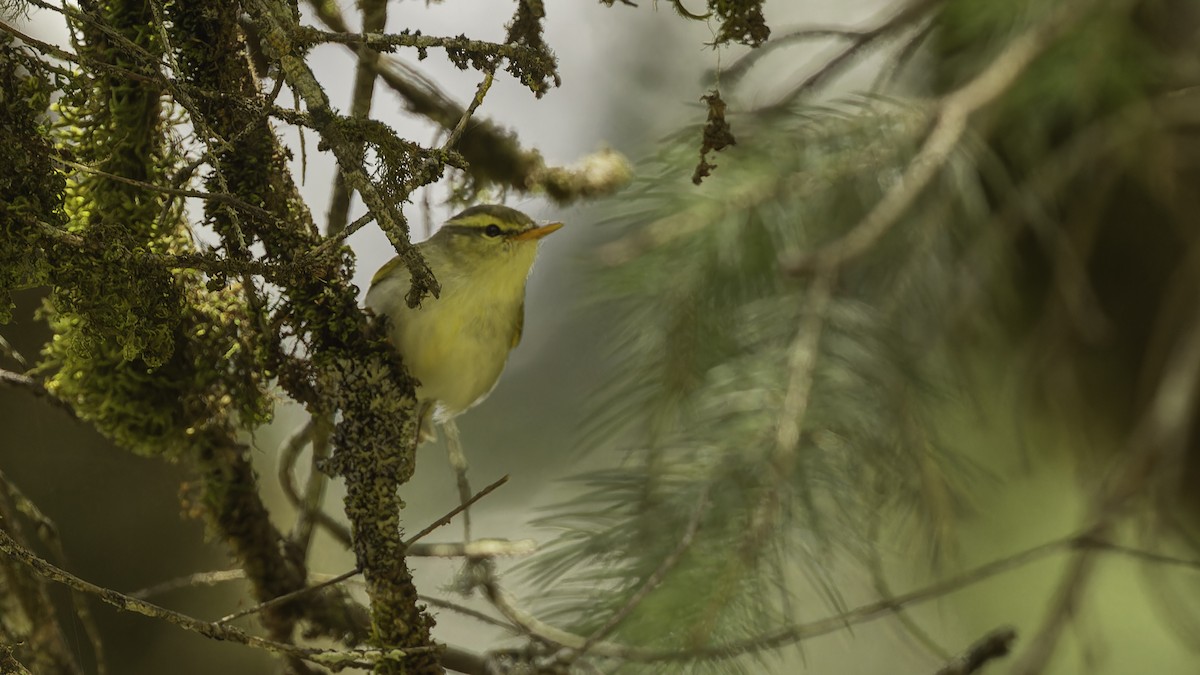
(1028, 395)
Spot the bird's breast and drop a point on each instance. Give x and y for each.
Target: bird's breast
(457, 348)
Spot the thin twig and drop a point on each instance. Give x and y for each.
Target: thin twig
(476, 548)
(365, 658)
(36, 619)
(309, 506)
(874, 566)
(455, 511)
(189, 581)
(34, 387)
(480, 92)
(467, 611)
(336, 240)
(895, 65)
(286, 597)
(223, 198)
(1148, 556)
(8, 350)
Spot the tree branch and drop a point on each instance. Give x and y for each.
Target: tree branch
(363, 658)
(278, 29)
(951, 116)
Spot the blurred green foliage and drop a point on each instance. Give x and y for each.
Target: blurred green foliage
(722, 345)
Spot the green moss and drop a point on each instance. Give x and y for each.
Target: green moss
(31, 190)
(741, 21)
(213, 379)
(149, 355)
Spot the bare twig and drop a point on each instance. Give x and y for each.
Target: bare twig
(7, 350)
(365, 658)
(287, 597)
(336, 240)
(505, 604)
(874, 566)
(895, 66)
(1147, 556)
(308, 506)
(480, 92)
(189, 581)
(476, 548)
(223, 198)
(467, 611)
(34, 387)
(733, 72)
(461, 508)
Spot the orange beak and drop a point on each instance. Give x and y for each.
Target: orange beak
(537, 232)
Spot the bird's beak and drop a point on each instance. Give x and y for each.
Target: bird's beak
(537, 232)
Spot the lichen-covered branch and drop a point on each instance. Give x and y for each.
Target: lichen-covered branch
(276, 27)
(363, 658)
(494, 155)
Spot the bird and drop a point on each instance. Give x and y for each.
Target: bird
(456, 345)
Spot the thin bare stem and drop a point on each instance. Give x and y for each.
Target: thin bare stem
(34, 387)
(455, 511)
(467, 611)
(286, 597)
(190, 581)
(364, 658)
(480, 92)
(223, 198)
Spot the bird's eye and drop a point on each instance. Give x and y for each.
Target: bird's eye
(492, 230)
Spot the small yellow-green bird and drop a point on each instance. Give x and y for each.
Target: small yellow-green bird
(456, 345)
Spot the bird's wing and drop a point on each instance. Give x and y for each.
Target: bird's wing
(387, 269)
(520, 327)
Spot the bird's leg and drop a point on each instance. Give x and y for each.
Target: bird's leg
(458, 462)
